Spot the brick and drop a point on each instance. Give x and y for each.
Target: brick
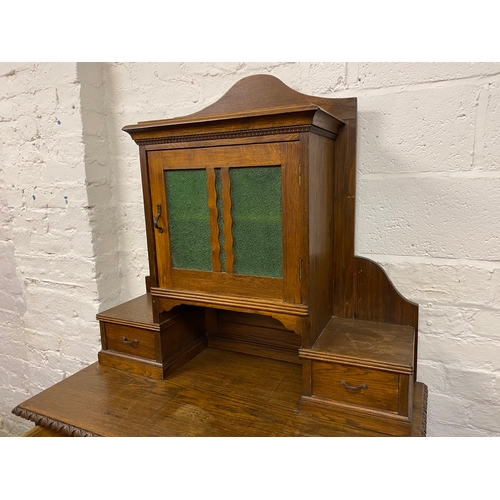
(92, 105)
(327, 77)
(90, 73)
(492, 129)
(421, 130)
(437, 429)
(425, 217)
(451, 323)
(154, 74)
(446, 409)
(117, 75)
(484, 415)
(94, 121)
(6, 110)
(494, 295)
(83, 351)
(433, 375)
(471, 384)
(451, 285)
(391, 74)
(57, 268)
(12, 342)
(485, 324)
(55, 74)
(167, 71)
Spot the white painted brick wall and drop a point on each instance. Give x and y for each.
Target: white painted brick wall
(48, 298)
(428, 205)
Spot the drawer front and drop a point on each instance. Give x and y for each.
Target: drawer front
(129, 340)
(379, 390)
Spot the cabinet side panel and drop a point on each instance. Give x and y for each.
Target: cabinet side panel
(153, 274)
(294, 226)
(321, 183)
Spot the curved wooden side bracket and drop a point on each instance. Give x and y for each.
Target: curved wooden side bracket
(362, 289)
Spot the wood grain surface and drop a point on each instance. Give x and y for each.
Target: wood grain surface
(218, 393)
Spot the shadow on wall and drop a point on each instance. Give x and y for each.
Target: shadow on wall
(101, 204)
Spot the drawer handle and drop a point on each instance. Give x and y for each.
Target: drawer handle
(352, 388)
(130, 342)
(157, 218)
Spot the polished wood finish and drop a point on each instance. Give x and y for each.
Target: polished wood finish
(380, 391)
(133, 341)
(218, 393)
(364, 366)
(214, 226)
(219, 137)
(287, 289)
(228, 220)
(253, 334)
(365, 343)
(328, 349)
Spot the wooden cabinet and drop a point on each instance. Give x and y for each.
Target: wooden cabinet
(133, 341)
(256, 305)
(240, 213)
(364, 367)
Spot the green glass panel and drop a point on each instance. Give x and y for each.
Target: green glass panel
(189, 219)
(257, 226)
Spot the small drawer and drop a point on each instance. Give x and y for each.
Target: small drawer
(130, 340)
(357, 386)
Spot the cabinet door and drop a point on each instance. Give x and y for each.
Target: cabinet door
(225, 219)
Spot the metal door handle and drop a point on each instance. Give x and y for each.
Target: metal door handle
(155, 222)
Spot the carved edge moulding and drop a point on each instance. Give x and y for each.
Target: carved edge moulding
(49, 423)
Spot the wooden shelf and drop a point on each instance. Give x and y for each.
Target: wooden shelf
(365, 343)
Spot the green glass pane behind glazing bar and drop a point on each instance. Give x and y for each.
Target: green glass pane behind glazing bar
(189, 219)
(257, 226)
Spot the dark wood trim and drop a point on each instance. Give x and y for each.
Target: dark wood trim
(146, 194)
(228, 220)
(420, 395)
(214, 214)
(236, 141)
(244, 304)
(132, 364)
(385, 423)
(43, 421)
(362, 363)
(229, 135)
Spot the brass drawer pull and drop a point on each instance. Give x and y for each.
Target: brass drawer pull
(130, 342)
(350, 387)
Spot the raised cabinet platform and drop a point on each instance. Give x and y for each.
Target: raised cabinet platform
(258, 319)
